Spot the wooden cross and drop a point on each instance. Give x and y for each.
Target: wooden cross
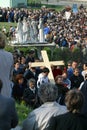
(47, 64)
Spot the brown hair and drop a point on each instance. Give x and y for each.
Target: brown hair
(19, 76)
(57, 77)
(74, 100)
(2, 40)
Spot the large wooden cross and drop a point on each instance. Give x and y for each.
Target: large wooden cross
(47, 64)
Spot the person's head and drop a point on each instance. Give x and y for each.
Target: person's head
(23, 60)
(2, 40)
(69, 64)
(1, 84)
(45, 71)
(74, 64)
(59, 79)
(17, 64)
(85, 66)
(76, 72)
(33, 69)
(64, 75)
(19, 78)
(48, 92)
(31, 83)
(74, 100)
(31, 53)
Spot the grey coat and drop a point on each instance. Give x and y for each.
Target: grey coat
(8, 114)
(6, 63)
(38, 119)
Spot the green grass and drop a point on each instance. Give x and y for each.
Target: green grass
(7, 25)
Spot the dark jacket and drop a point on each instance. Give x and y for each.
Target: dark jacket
(29, 74)
(76, 81)
(17, 91)
(68, 121)
(8, 114)
(61, 93)
(30, 97)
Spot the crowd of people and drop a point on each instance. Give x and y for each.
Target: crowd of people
(52, 104)
(57, 28)
(22, 82)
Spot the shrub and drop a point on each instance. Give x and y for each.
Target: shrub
(77, 54)
(9, 48)
(22, 111)
(57, 54)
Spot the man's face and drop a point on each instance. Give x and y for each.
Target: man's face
(76, 72)
(45, 74)
(74, 64)
(33, 69)
(59, 80)
(64, 75)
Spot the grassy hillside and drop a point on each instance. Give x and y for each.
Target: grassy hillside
(7, 25)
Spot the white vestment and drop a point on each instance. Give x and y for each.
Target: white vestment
(35, 30)
(25, 31)
(41, 32)
(20, 32)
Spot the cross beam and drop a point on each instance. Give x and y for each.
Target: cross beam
(47, 64)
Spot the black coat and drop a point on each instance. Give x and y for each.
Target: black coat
(29, 74)
(76, 81)
(68, 121)
(30, 97)
(17, 91)
(61, 93)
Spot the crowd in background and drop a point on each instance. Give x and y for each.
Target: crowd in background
(26, 80)
(63, 32)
